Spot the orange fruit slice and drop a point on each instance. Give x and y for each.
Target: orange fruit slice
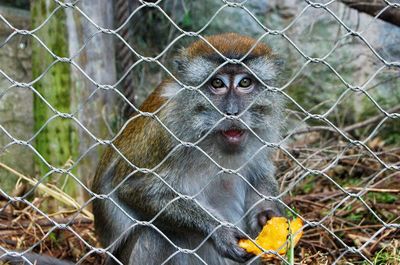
(274, 236)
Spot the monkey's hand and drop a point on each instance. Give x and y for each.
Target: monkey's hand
(259, 216)
(226, 241)
(265, 215)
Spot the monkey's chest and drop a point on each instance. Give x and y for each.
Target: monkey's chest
(223, 194)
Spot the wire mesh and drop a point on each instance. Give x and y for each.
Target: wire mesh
(301, 165)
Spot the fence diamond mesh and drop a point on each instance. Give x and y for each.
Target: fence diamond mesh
(339, 174)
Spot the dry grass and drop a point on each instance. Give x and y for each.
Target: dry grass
(21, 228)
(351, 202)
(349, 221)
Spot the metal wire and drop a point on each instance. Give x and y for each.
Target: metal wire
(126, 78)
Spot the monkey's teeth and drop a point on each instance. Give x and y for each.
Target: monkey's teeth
(233, 133)
(233, 136)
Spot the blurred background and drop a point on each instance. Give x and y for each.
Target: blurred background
(69, 69)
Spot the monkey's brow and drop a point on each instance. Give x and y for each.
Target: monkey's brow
(217, 58)
(233, 69)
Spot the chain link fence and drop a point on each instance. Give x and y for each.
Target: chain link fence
(340, 175)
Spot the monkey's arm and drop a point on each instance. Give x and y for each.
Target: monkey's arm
(262, 209)
(174, 212)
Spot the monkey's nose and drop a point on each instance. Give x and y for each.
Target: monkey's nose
(232, 113)
(232, 109)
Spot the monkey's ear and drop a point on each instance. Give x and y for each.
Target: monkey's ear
(180, 61)
(178, 64)
(281, 70)
(279, 64)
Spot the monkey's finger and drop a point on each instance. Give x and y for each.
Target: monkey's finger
(266, 215)
(239, 254)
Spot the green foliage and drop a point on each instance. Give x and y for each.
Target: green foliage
(317, 87)
(348, 181)
(187, 21)
(53, 237)
(355, 217)
(309, 186)
(318, 95)
(290, 253)
(387, 96)
(387, 257)
(290, 214)
(382, 197)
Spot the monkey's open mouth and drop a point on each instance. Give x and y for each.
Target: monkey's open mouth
(233, 136)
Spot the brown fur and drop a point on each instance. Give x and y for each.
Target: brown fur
(228, 44)
(131, 137)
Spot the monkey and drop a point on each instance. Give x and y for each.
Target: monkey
(192, 173)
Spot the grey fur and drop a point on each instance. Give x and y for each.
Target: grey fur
(264, 68)
(195, 71)
(191, 117)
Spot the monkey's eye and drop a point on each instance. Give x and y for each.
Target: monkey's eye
(245, 82)
(217, 83)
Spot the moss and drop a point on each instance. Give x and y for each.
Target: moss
(57, 142)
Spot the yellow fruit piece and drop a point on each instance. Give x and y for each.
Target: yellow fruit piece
(274, 236)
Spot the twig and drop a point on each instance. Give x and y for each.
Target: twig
(378, 241)
(58, 195)
(347, 129)
(44, 222)
(359, 240)
(371, 120)
(373, 189)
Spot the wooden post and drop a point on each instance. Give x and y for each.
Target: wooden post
(98, 113)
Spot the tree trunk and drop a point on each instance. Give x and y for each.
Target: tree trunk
(56, 141)
(96, 108)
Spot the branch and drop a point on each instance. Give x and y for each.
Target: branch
(373, 8)
(52, 191)
(45, 223)
(358, 125)
(371, 120)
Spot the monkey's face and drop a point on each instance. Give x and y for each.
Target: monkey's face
(242, 107)
(231, 107)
